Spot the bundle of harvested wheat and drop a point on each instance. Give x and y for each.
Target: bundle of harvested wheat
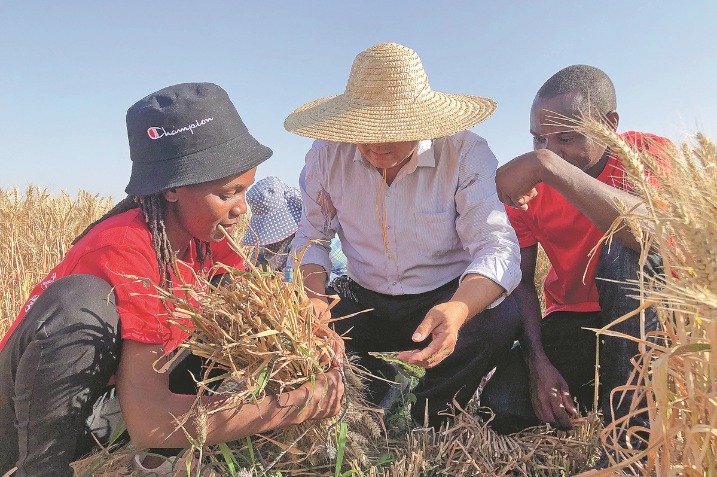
(675, 377)
(260, 335)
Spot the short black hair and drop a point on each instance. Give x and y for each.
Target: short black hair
(595, 92)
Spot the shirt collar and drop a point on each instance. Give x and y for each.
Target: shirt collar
(424, 152)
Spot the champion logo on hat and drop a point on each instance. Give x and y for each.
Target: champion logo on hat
(158, 132)
(185, 134)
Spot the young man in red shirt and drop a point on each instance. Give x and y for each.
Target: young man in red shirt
(563, 196)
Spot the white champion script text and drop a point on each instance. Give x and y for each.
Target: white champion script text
(158, 132)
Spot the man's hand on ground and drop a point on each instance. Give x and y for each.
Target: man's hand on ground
(550, 395)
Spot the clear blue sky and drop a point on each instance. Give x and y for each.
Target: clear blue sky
(69, 70)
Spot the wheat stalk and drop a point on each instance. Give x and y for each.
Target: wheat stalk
(675, 377)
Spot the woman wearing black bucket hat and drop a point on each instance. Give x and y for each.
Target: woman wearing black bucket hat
(193, 159)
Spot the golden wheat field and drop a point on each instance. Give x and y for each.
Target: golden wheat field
(676, 376)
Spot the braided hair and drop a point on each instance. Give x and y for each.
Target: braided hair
(154, 210)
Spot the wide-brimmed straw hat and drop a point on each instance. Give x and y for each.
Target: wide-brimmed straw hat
(275, 211)
(187, 134)
(388, 99)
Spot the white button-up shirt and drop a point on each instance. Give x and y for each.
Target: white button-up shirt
(443, 219)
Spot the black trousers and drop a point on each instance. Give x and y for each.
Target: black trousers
(54, 368)
(482, 341)
(54, 371)
(572, 349)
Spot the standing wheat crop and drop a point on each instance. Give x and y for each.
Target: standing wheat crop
(675, 376)
(37, 228)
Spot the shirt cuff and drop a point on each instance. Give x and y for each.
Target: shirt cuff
(501, 271)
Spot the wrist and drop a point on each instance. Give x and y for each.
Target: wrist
(536, 358)
(296, 412)
(316, 296)
(456, 311)
(548, 166)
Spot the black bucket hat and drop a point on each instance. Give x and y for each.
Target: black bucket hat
(187, 134)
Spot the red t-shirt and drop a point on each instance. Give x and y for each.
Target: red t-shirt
(121, 246)
(567, 236)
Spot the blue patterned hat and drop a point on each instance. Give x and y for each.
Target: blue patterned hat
(275, 211)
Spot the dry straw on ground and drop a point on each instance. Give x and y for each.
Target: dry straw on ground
(468, 446)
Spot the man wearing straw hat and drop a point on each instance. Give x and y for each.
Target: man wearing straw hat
(565, 195)
(431, 256)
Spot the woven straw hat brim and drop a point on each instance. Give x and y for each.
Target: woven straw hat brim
(341, 119)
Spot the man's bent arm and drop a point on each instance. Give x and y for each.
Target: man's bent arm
(516, 180)
(594, 199)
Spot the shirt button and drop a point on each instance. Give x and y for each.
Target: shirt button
(394, 283)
